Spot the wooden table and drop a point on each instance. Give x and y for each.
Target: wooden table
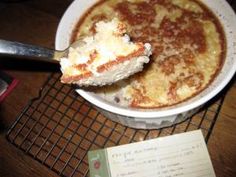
(35, 22)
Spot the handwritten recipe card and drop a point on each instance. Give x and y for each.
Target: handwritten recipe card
(181, 155)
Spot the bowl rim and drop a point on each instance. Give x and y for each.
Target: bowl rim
(151, 113)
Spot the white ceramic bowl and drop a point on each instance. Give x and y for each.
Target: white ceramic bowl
(157, 118)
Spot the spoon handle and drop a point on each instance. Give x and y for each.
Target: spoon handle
(16, 49)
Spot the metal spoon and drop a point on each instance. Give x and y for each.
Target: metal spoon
(17, 49)
(113, 74)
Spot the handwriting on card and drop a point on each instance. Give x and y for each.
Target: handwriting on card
(174, 156)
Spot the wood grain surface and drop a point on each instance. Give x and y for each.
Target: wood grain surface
(35, 22)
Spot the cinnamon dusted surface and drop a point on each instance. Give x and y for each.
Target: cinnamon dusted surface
(187, 49)
(35, 22)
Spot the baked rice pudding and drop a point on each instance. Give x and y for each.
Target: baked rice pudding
(104, 57)
(188, 49)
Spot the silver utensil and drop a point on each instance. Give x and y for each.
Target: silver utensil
(17, 49)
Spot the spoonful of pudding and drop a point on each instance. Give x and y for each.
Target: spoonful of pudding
(101, 59)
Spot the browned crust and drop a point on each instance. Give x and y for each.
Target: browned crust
(121, 59)
(77, 26)
(84, 67)
(187, 56)
(72, 79)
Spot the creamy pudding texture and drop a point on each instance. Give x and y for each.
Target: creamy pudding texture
(188, 49)
(104, 57)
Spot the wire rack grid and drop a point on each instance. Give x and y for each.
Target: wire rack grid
(59, 127)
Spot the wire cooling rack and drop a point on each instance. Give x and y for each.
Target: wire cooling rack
(59, 127)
